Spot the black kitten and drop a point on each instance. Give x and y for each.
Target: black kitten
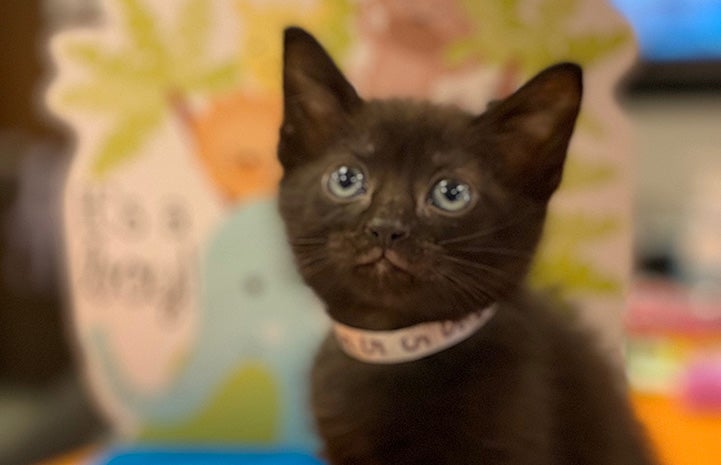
(416, 225)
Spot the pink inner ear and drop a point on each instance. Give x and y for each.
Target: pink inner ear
(319, 104)
(542, 122)
(551, 106)
(538, 126)
(312, 82)
(534, 126)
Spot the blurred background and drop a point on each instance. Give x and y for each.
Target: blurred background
(43, 408)
(672, 96)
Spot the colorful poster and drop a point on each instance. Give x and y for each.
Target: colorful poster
(191, 322)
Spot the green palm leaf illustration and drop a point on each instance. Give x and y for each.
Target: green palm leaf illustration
(130, 83)
(127, 137)
(562, 257)
(506, 33)
(582, 175)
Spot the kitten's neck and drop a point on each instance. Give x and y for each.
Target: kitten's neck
(409, 343)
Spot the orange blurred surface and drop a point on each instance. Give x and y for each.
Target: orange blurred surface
(681, 437)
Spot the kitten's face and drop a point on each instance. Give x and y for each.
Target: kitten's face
(407, 211)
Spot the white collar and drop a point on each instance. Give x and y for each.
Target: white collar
(410, 343)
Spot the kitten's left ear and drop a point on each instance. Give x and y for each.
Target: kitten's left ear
(317, 97)
(532, 128)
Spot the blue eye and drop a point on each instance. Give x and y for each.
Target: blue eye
(346, 182)
(450, 196)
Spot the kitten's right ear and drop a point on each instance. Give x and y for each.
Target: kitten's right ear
(533, 127)
(317, 98)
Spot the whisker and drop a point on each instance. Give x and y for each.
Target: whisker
(487, 231)
(312, 267)
(308, 241)
(471, 289)
(519, 253)
(489, 285)
(468, 288)
(494, 281)
(480, 266)
(309, 259)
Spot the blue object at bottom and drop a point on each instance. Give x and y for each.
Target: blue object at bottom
(133, 456)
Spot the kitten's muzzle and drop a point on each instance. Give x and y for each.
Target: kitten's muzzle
(386, 232)
(383, 259)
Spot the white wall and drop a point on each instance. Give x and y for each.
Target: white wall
(677, 139)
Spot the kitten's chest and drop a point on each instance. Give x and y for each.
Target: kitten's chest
(365, 410)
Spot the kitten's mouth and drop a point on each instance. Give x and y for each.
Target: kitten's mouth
(384, 260)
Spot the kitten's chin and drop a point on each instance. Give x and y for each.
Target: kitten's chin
(385, 270)
(382, 306)
(390, 286)
(384, 274)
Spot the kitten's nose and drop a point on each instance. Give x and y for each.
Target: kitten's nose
(387, 232)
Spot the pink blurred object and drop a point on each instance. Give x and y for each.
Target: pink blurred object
(659, 306)
(701, 386)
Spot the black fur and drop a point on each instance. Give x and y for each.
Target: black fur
(527, 388)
